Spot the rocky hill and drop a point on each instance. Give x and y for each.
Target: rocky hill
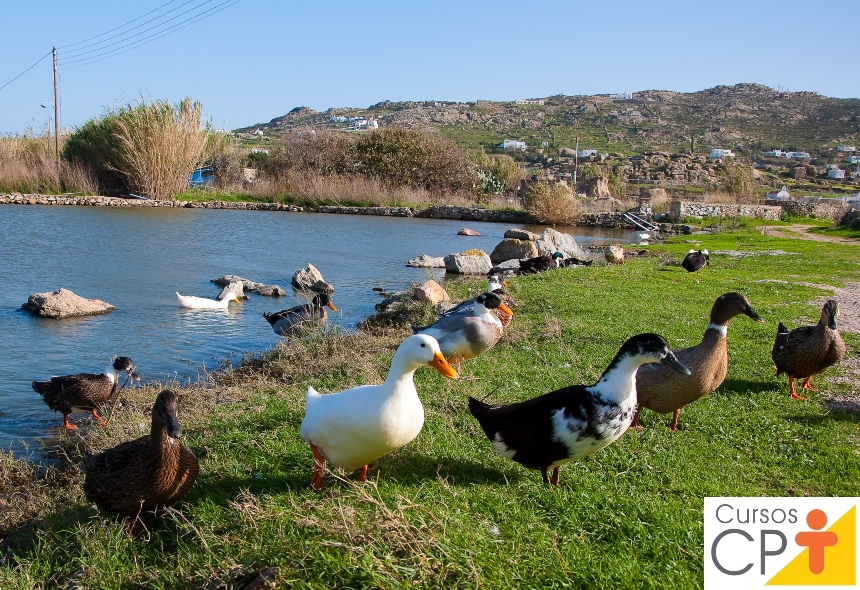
(743, 117)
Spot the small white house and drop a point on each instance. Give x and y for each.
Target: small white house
(782, 195)
(775, 154)
(721, 153)
(259, 151)
(586, 153)
(797, 155)
(544, 144)
(338, 119)
(513, 144)
(835, 173)
(621, 96)
(846, 148)
(258, 132)
(854, 159)
(524, 101)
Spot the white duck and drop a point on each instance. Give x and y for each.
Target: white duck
(351, 428)
(204, 303)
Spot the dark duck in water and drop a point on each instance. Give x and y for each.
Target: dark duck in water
(569, 423)
(84, 391)
(301, 318)
(809, 350)
(143, 474)
(663, 391)
(696, 260)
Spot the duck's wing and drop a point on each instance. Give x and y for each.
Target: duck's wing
(286, 313)
(116, 459)
(63, 392)
(464, 307)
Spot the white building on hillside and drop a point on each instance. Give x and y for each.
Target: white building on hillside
(846, 148)
(797, 155)
(721, 153)
(621, 96)
(513, 144)
(525, 101)
(586, 153)
(835, 173)
(775, 154)
(854, 159)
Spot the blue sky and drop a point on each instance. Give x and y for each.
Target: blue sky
(258, 59)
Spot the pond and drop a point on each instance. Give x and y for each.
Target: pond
(137, 258)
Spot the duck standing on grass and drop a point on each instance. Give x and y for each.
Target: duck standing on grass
(695, 260)
(463, 336)
(569, 423)
(664, 391)
(143, 474)
(496, 285)
(809, 350)
(293, 321)
(84, 391)
(351, 428)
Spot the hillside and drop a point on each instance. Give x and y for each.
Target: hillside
(748, 115)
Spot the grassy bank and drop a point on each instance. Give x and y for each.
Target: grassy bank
(446, 510)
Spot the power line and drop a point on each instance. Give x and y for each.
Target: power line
(80, 52)
(27, 70)
(155, 36)
(119, 27)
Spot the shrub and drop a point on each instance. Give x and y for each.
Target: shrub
(552, 203)
(28, 165)
(738, 181)
(499, 174)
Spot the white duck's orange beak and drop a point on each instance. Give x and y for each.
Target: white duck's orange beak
(331, 306)
(440, 364)
(506, 309)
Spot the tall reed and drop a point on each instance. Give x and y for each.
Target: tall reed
(28, 164)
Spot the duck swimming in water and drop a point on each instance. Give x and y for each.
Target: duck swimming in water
(301, 318)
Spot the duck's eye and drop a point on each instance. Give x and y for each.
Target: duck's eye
(423, 345)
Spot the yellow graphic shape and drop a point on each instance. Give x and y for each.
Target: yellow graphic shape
(840, 560)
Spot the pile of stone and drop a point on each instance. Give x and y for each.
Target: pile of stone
(64, 304)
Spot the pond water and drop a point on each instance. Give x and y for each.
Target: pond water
(136, 258)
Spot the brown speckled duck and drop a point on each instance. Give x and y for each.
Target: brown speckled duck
(84, 391)
(809, 350)
(143, 474)
(667, 391)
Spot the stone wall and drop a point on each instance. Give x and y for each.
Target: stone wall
(474, 214)
(681, 209)
(822, 210)
(381, 211)
(98, 201)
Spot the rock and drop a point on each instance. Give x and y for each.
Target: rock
(237, 287)
(553, 241)
(598, 188)
(567, 152)
(272, 291)
(467, 232)
(507, 268)
(614, 255)
(443, 306)
(247, 284)
(476, 262)
(516, 233)
(310, 279)
(658, 195)
(509, 249)
(425, 261)
(430, 292)
(64, 304)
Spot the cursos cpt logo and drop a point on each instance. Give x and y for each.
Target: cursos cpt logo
(790, 543)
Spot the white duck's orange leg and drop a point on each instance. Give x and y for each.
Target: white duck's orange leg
(362, 474)
(319, 463)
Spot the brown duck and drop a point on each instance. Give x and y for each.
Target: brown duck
(807, 351)
(669, 391)
(146, 473)
(84, 391)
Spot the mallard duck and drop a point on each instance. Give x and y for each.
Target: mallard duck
(464, 336)
(496, 284)
(292, 321)
(84, 391)
(351, 428)
(192, 302)
(146, 473)
(540, 263)
(809, 350)
(695, 260)
(569, 423)
(665, 391)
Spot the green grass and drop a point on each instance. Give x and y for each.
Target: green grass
(446, 511)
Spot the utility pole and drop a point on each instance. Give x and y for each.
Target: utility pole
(575, 161)
(56, 111)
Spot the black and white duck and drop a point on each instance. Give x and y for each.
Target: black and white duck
(295, 320)
(496, 284)
(696, 259)
(85, 391)
(540, 263)
(569, 423)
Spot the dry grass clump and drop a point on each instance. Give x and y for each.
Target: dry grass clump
(723, 196)
(739, 182)
(28, 165)
(395, 319)
(552, 203)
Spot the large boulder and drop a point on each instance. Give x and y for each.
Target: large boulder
(64, 304)
(517, 233)
(272, 291)
(430, 292)
(426, 261)
(509, 249)
(553, 241)
(598, 188)
(467, 232)
(507, 268)
(247, 284)
(473, 262)
(310, 279)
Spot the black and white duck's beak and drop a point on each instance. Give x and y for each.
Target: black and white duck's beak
(134, 376)
(749, 311)
(673, 362)
(173, 429)
(331, 306)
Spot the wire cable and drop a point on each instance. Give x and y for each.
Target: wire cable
(80, 52)
(155, 36)
(119, 27)
(27, 70)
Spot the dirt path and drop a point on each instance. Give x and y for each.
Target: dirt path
(802, 232)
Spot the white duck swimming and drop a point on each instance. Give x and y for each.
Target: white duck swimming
(351, 428)
(203, 303)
